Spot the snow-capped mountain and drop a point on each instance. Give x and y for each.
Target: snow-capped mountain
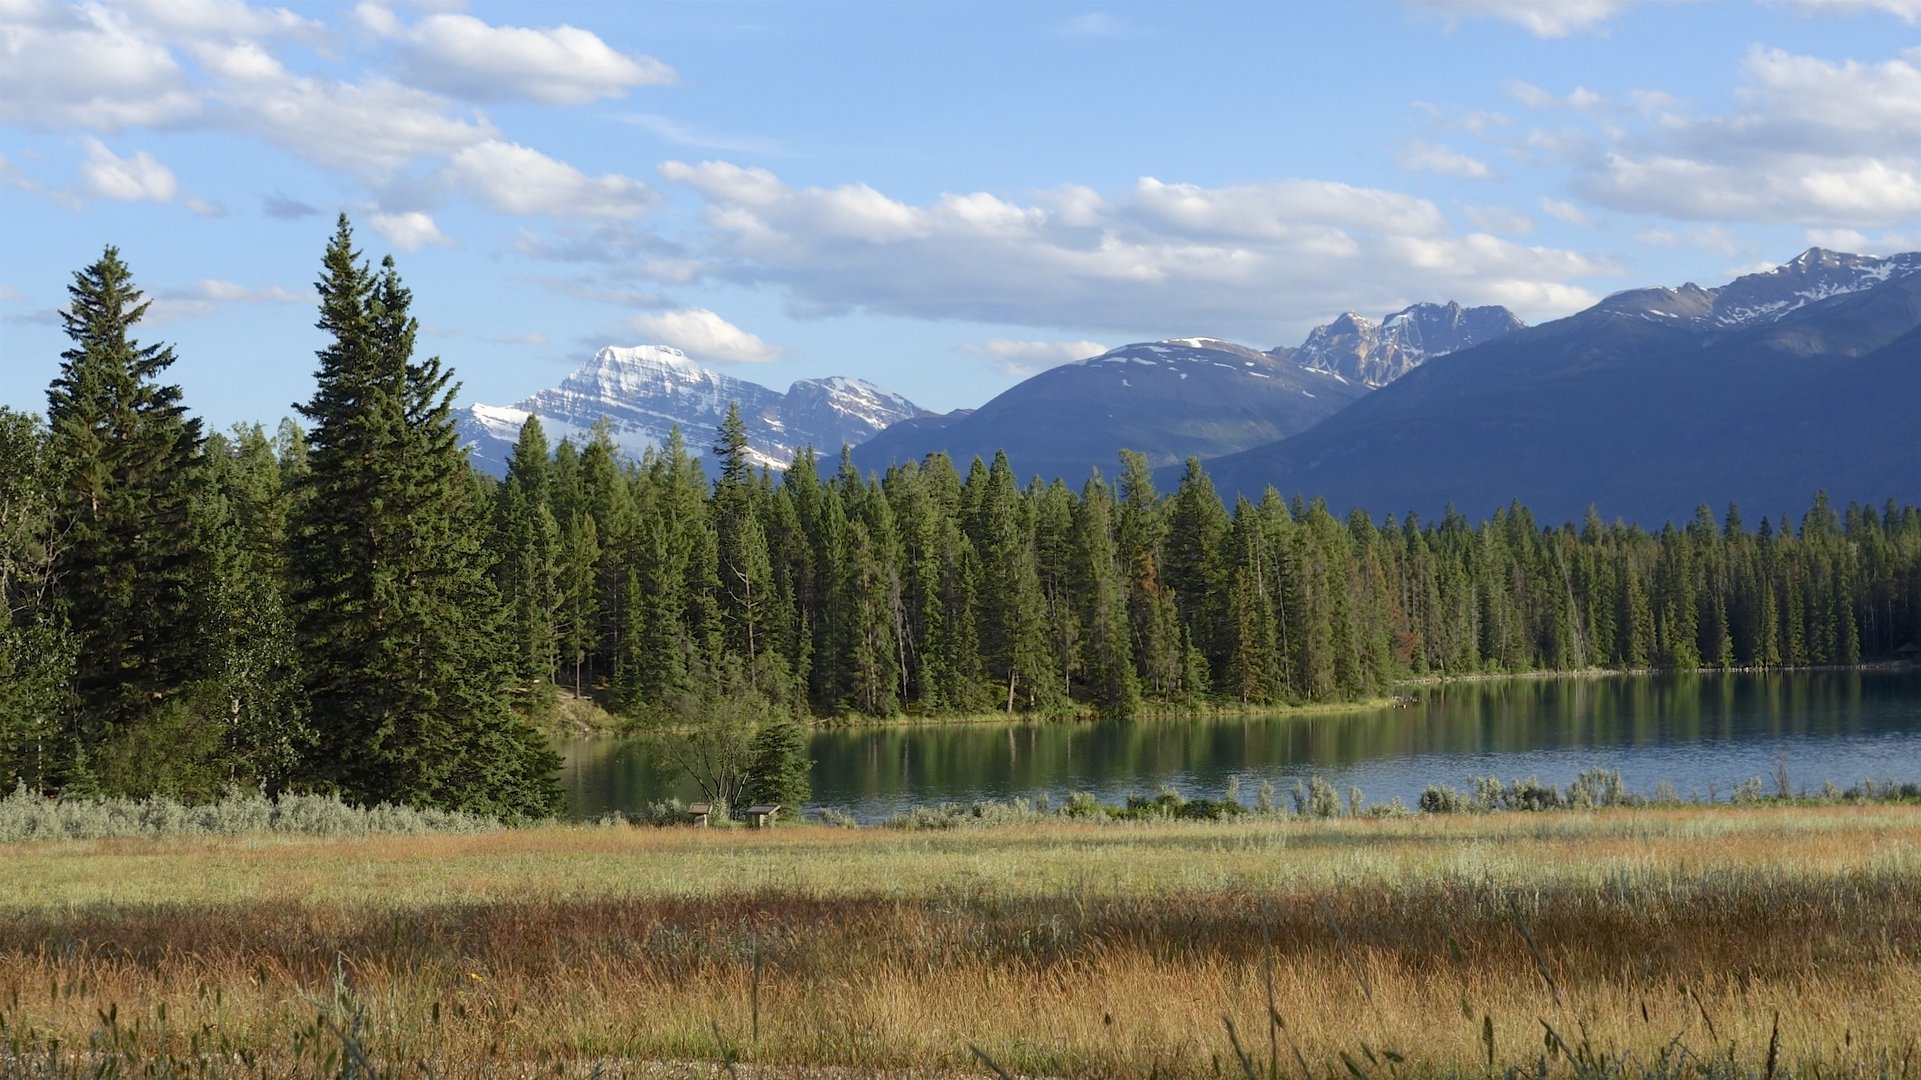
(1167, 399)
(1375, 354)
(1816, 274)
(1645, 406)
(643, 391)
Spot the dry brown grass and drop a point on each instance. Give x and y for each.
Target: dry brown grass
(1647, 937)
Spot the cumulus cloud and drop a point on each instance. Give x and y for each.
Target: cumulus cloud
(704, 335)
(1806, 141)
(135, 179)
(515, 179)
(87, 67)
(1253, 261)
(371, 128)
(562, 65)
(1024, 358)
(1542, 18)
(1430, 158)
(410, 231)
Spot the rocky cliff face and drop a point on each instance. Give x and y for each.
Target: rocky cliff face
(1375, 354)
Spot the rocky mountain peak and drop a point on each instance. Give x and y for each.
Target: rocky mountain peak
(1358, 348)
(643, 392)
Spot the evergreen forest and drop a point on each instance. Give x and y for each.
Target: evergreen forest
(344, 604)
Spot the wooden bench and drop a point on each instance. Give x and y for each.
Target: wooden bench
(760, 817)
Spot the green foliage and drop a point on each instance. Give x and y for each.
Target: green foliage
(125, 570)
(779, 772)
(398, 622)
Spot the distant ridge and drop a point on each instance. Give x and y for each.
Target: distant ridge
(643, 391)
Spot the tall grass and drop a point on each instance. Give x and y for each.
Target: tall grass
(1616, 943)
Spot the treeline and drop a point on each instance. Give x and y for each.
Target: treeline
(927, 592)
(351, 608)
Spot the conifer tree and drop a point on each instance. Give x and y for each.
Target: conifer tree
(398, 620)
(527, 547)
(1107, 647)
(129, 559)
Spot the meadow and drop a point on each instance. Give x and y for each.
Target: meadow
(1715, 941)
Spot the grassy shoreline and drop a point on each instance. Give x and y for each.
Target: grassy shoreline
(1057, 948)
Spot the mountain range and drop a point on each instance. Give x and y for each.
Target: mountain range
(1655, 400)
(1652, 402)
(642, 392)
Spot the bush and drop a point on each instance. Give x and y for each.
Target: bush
(1441, 799)
(25, 815)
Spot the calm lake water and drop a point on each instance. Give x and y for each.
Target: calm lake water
(1702, 733)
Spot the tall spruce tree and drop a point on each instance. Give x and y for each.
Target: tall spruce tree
(399, 624)
(527, 544)
(129, 560)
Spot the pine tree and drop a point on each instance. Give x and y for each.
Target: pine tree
(746, 570)
(1107, 648)
(398, 621)
(527, 546)
(129, 560)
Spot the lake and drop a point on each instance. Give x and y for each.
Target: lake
(1703, 733)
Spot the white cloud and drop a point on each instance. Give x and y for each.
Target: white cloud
(514, 179)
(1024, 358)
(1854, 240)
(135, 179)
(1253, 262)
(1499, 219)
(371, 128)
(220, 19)
(703, 335)
(409, 231)
(1580, 99)
(1561, 210)
(468, 58)
(1430, 158)
(87, 67)
(1908, 11)
(1542, 18)
(1709, 238)
(205, 208)
(242, 62)
(205, 297)
(11, 295)
(1807, 140)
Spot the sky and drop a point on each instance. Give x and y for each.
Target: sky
(940, 198)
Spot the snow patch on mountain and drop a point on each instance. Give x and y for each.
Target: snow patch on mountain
(1756, 299)
(642, 392)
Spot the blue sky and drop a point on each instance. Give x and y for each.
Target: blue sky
(939, 198)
